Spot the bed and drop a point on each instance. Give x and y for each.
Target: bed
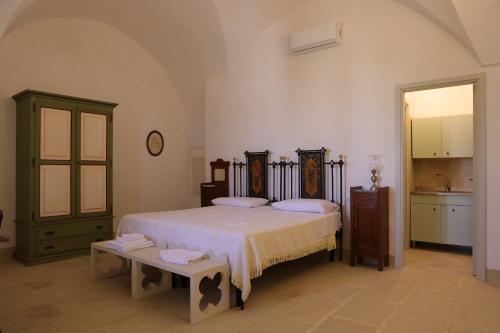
(254, 239)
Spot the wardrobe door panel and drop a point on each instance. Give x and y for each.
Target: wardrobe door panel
(55, 134)
(55, 190)
(93, 137)
(92, 188)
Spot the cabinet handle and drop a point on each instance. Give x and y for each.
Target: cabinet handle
(49, 233)
(435, 154)
(99, 227)
(49, 247)
(447, 153)
(453, 210)
(434, 209)
(99, 240)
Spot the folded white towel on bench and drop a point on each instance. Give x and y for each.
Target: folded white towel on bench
(126, 247)
(181, 256)
(131, 237)
(131, 242)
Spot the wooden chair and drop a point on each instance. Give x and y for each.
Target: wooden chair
(2, 238)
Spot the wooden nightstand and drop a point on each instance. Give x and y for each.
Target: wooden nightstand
(219, 186)
(370, 225)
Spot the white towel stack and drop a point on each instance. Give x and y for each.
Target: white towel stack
(130, 242)
(181, 256)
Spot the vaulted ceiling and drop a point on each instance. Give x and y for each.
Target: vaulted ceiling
(476, 23)
(188, 39)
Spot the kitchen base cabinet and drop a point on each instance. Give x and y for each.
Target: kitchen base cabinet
(442, 219)
(426, 223)
(456, 225)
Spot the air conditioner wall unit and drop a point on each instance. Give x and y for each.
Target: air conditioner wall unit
(315, 38)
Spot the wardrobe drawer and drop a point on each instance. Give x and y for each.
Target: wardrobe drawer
(68, 244)
(63, 231)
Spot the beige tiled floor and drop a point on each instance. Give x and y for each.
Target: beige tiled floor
(434, 292)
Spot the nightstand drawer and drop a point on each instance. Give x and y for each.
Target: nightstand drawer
(365, 200)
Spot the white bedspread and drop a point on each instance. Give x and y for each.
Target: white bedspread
(252, 238)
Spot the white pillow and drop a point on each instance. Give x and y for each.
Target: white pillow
(306, 205)
(246, 202)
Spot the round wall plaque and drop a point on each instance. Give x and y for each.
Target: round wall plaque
(154, 143)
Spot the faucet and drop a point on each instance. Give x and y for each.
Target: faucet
(447, 185)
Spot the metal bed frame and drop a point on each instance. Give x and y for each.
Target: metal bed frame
(281, 183)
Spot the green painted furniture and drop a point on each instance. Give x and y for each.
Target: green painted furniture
(64, 193)
(444, 219)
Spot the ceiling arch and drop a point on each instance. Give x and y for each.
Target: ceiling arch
(190, 39)
(184, 36)
(474, 23)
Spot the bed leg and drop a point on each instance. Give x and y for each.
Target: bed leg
(332, 255)
(239, 299)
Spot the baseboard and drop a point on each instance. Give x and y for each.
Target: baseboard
(6, 253)
(492, 275)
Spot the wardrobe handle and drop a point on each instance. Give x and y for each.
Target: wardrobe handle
(49, 247)
(49, 233)
(99, 227)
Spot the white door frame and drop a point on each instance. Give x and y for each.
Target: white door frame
(479, 172)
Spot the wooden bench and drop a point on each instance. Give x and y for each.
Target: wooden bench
(209, 279)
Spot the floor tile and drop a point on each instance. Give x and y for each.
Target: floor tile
(343, 325)
(366, 310)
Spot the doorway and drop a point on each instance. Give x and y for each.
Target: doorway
(441, 189)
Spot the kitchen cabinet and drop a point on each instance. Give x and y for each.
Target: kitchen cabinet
(426, 223)
(457, 136)
(445, 219)
(456, 225)
(442, 137)
(426, 137)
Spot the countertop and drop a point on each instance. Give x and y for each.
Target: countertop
(461, 193)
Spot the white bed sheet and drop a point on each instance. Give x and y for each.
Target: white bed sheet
(251, 238)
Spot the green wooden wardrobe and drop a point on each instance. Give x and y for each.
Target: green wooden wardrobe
(64, 174)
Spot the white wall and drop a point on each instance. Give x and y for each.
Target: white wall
(342, 98)
(441, 102)
(493, 165)
(92, 60)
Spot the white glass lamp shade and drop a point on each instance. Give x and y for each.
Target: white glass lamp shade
(375, 162)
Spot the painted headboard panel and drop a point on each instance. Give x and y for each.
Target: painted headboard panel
(257, 182)
(312, 173)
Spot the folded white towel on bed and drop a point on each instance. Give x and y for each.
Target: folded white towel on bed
(181, 256)
(131, 237)
(124, 247)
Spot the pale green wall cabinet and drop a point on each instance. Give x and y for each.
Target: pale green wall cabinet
(64, 174)
(442, 137)
(441, 219)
